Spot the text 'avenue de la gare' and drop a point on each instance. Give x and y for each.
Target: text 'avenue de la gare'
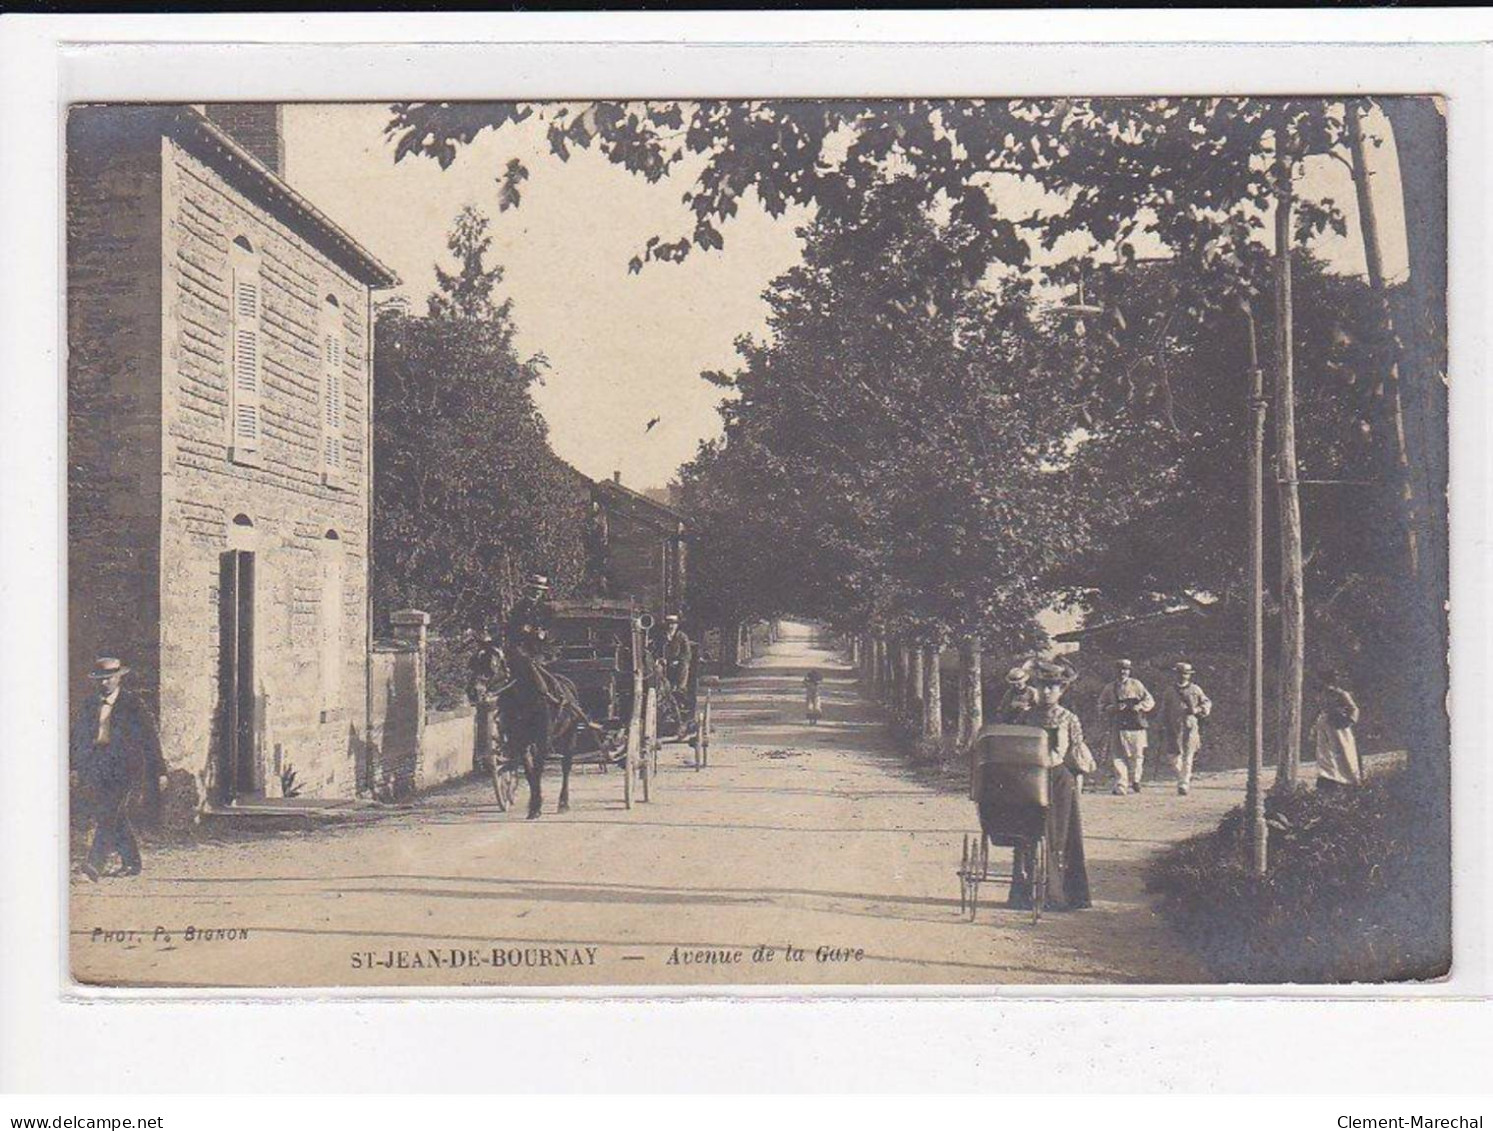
(738, 956)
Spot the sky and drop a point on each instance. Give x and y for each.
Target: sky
(622, 348)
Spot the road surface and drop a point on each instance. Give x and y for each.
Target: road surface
(800, 855)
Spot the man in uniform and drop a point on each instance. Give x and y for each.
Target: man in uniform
(1123, 705)
(115, 757)
(1183, 708)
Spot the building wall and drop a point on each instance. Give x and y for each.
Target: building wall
(311, 720)
(635, 560)
(113, 394)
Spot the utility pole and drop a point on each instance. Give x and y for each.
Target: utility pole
(1254, 794)
(1292, 613)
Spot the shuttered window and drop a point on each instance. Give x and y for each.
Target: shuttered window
(246, 423)
(333, 409)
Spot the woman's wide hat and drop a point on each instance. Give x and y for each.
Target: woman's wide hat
(1053, 672)
(106, 666)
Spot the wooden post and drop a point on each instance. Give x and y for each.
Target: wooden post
(1292, 612)
(932, 694)
(971, 710)
(1254, 792)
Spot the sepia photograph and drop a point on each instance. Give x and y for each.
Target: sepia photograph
(859, 543)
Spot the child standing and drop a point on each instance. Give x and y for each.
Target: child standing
(811, 696)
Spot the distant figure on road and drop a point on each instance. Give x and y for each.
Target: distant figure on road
(115, 762)
(811, 695)
(1068, 882)
(1019, 698)
(1183, 708)
(1338, 765)
(1123, 705)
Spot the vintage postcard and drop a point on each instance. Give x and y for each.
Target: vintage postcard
(864, 543)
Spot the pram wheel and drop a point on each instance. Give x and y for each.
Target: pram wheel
(1039, 878)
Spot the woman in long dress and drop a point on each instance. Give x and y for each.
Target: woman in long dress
(1070, 759)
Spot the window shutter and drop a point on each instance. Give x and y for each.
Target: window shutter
(247, 423)
(332, 405)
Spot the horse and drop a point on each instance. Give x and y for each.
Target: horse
(542, 716)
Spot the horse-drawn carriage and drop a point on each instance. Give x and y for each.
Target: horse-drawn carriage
(597, 702)
(1009, 785)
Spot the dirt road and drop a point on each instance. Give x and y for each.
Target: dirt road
(800, 855)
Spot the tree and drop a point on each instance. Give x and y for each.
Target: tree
(1202, 177)
(468, 493)
(892, 451)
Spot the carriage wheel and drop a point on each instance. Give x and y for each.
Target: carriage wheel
(504, 784)
(627, 773)
(1039, 878)
(963, 874)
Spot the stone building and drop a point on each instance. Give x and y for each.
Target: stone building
(645, 544)
(219, 362)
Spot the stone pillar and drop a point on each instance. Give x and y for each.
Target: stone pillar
(410, 629)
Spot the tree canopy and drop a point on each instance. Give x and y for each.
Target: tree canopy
(468, 493)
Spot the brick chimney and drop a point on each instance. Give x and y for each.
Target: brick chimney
(617, 477)
(257, 126)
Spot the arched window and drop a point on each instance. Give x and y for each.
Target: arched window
(247, 365)
(333, 410)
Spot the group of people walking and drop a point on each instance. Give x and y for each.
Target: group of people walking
(1125, 709)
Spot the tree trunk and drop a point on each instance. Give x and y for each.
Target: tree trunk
(899, 675)
(932, 694)
(915, 682)
(855, 651)
(1419, 128)
(1411, 492)
(971, 709)
(1292, 613)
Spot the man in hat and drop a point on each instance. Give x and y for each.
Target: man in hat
(1019, 698)
(529, 618)
(115, 759)
(677, 652)
(1123, 705)
(1183, 708)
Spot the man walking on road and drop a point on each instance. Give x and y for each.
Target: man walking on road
(1183, 708)
(1123, 705)
(115, 761)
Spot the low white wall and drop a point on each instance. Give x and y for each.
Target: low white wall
(447, 746)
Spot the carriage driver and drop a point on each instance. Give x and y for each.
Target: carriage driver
(677, 652)
(529, 618)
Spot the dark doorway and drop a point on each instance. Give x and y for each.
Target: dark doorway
(237, 769)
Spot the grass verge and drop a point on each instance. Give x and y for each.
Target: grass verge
(1358, 890)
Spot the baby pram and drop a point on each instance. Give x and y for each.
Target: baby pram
(1010, 787)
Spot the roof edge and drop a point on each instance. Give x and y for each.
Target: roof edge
(353, 255)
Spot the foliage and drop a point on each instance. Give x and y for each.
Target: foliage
(1358, 890)
(890, 456)
(469, 495)
(1194, 172)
